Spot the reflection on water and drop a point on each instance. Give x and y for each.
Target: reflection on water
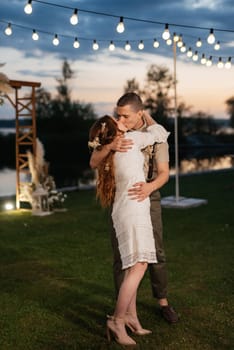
(7, 131)
(194, 165)
(7, 182)
(8, 176)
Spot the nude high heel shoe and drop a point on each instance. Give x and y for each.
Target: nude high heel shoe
(134, 325)
(115, 327)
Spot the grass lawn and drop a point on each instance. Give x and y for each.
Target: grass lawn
(56, 274)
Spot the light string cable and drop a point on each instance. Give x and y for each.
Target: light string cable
(38, 30)
(183, 48)
(133, 18)
(204, 59)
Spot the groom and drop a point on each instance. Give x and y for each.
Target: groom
(130, 111)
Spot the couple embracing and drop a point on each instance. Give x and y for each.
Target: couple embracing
(132, 167)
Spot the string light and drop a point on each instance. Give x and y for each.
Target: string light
(35, 36)
(189, 52)
(120, 27)
(95, 45)
(169, 41)
(228, 63)
(211, 37)
(141, 45)
(199, 42)
(76, 43)
(155, 44)
(217, 46)
(8, 30)
(183, 48)
(56, 40)
(220, 63)
(127, 46)
(195, 56)
(209, 62)
(180, 41)
(28, 7)
(203, 59)
(166, 34)
(129, 18)
(74, 18)
(111, 46)
(175, 37)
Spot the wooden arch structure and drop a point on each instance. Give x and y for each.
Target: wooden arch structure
(24, 103)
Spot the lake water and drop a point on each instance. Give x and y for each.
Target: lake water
(7, 182)
(8, 176)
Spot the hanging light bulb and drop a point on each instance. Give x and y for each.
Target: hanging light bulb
(199, 43)
(76, 43)
(111, 46)
(127, 46)
(209, 62)
(189, 52)
(203, 59)
(180, 42)
(141, 45)
(217, 46)
(228, 63)
(176, 37)
(211, 37)
(120, 27)
(169, 41)
(155, 43)
(74, 18)
(166, 33)
(220, 63)
(28, 7)
(183, 48)
(195, 56)
(35, 36)
(8, 30)
(56, 40)
(95, 45)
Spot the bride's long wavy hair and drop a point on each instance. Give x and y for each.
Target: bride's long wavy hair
(103, 132)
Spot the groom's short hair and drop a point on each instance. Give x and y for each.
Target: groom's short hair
(131, 98)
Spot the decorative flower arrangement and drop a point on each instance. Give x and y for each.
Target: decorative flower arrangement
(4, 85)
(40, 178)
(56, 200)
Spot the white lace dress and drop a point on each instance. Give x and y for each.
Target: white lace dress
(131, 218)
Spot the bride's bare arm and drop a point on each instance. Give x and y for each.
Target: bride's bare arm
(120, 144)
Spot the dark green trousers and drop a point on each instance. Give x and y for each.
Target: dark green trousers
(157, 272)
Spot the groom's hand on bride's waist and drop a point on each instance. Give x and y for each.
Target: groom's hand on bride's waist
(140, 191)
